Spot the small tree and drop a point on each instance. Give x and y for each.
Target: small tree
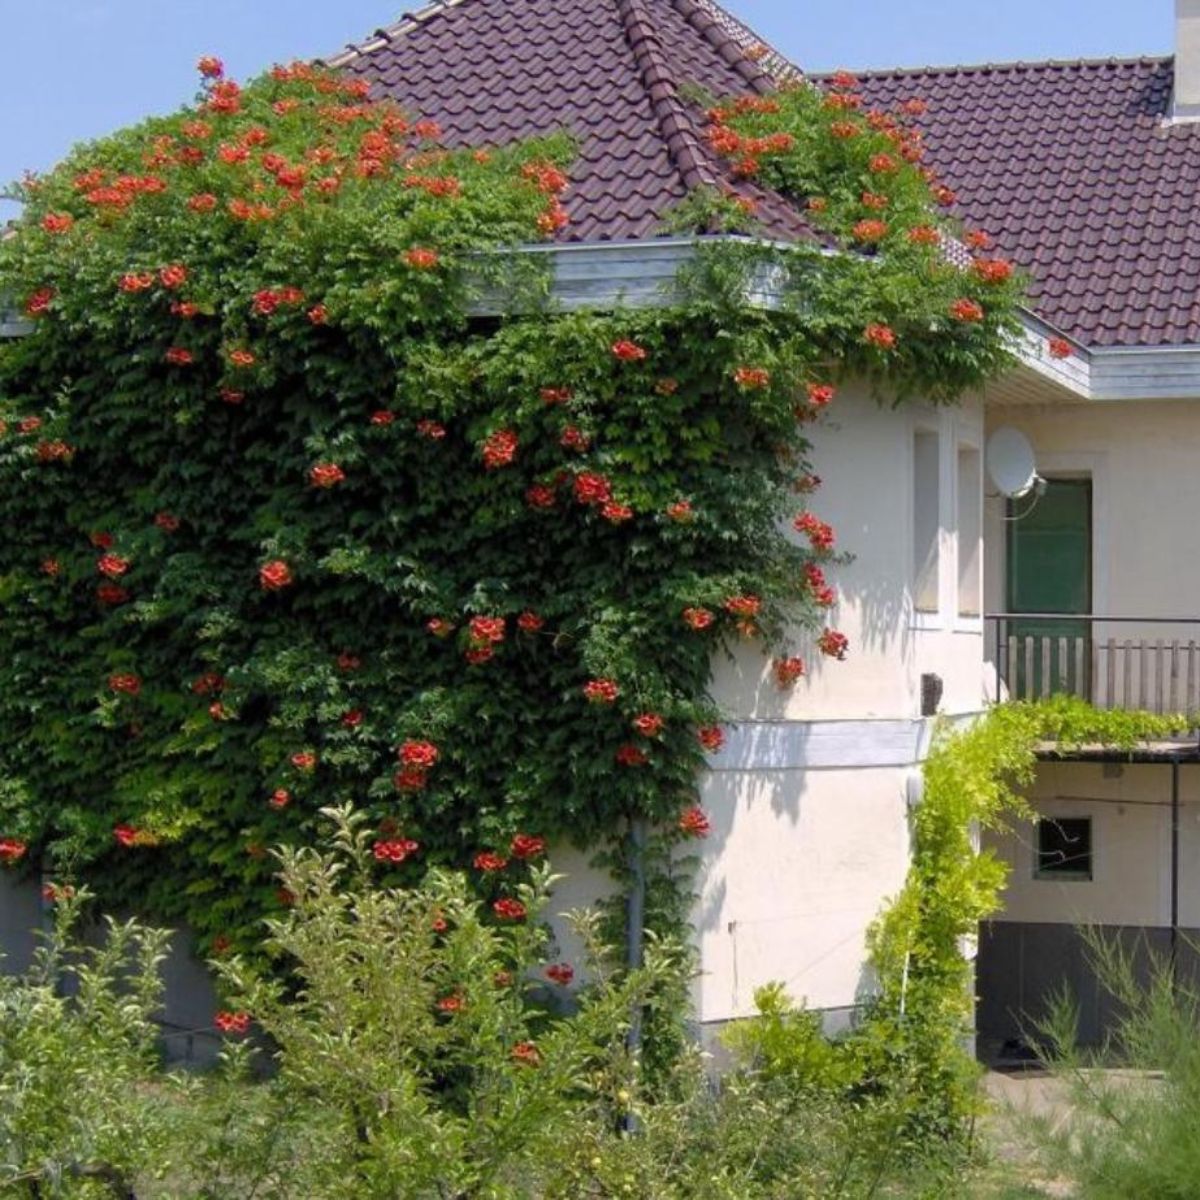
(423, 1045)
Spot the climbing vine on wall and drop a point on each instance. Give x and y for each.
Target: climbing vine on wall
(289, 527)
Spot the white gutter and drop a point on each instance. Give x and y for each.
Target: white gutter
(643, 273)
(1146, 373)
(1032, 349)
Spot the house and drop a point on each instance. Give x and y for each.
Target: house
(1086, 174)
(1083, 173)
(809, 799)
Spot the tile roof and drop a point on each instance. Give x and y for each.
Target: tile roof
(1069, 166)
(611, 71)
(1073, 171)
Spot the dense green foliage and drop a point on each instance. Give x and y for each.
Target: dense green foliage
(919, 314)
(426, 1057)
(282, 511)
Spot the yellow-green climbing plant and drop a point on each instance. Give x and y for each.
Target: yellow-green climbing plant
(974, 779)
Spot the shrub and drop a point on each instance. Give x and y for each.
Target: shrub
(424, 1049)
(1128, 1111)
(418, 1049)
(77, 1044)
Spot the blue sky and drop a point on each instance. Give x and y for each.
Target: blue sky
(75, 69)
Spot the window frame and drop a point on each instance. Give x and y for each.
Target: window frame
(969, 621)
(928, 618)
(1044, 874)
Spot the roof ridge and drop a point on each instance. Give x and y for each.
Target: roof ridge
(674, 121)
(389, 33)
(1010, 65)
(713, 24)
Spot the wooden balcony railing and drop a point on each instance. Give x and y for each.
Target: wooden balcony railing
(1150, 663)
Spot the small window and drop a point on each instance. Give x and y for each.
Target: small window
(1064, 848)
(926, 520)
(970, 532)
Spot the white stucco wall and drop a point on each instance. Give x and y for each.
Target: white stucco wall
(863, 454)
(798, 866)
(1141, 457)
(1129, 807)
(809, 801)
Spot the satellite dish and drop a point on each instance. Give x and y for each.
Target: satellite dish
(1010, 463)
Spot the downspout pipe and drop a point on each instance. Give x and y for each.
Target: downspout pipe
(1174, 869)
(635, 916)
(635, 939)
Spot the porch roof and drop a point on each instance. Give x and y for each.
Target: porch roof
(1165, 750)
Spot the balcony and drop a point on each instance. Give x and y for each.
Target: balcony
(1149, 663)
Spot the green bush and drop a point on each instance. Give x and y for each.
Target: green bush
(787, 1042)
(422, 1050)
(77, 1044)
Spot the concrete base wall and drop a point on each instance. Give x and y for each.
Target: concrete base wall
(190, 999)
(21, 914)
(1023, 965)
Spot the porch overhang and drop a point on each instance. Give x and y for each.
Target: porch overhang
(1166, 750)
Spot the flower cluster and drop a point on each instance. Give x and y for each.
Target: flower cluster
(232, 1022)
(526, 1054)
(752, 378)
(560, 973)
(417, 758)
(326, 475)
(788, 670)
(819, 533)
(12, 850)
(274, 576)
(499, 449)
(527, 846)
(628, 351)
(508, 909)
(966, 310)
(833, 644)
(393, 850)
(601, 691)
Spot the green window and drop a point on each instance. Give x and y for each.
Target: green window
(1050, 571)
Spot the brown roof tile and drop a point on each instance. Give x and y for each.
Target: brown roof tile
(610, 71)
(1069, 166)
(1072, 169)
